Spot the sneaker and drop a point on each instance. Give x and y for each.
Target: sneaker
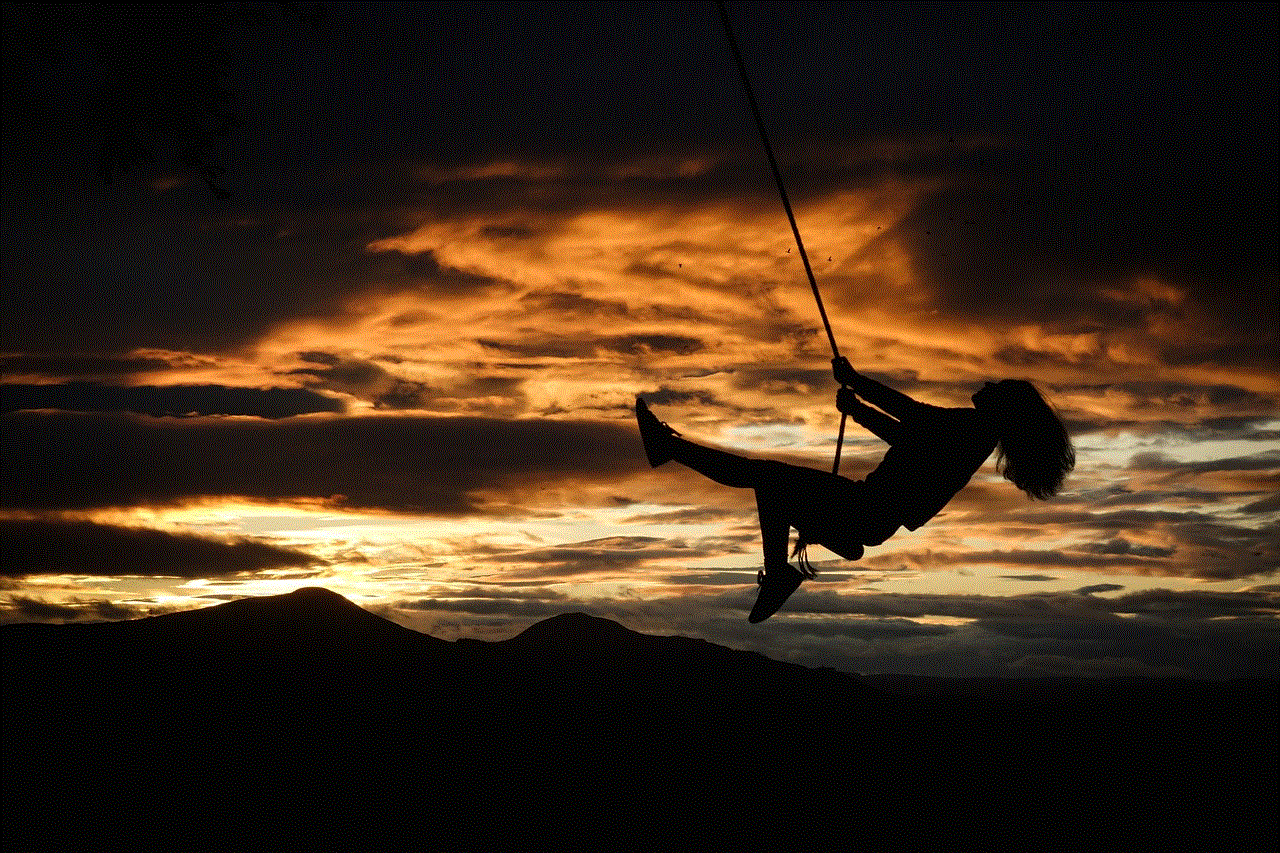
(776, 586)
(655, 434)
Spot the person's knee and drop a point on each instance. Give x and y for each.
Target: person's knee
(770, 474)
(846, 549)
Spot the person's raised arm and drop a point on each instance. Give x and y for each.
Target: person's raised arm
(880, 424)
(894, 402)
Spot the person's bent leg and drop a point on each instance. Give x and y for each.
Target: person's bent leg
(775, 531)
(779, 579)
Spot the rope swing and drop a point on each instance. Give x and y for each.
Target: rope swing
(786, 204)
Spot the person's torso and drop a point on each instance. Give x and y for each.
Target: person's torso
(939, 453)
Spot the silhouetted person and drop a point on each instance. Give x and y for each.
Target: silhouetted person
(933, 452)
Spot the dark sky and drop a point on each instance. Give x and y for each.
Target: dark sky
(1108, 139)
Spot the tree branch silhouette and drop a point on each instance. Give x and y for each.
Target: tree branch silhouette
(159, 70)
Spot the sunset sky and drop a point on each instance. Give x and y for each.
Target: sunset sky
(400, 359)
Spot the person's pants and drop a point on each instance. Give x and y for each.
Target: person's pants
(827, 509)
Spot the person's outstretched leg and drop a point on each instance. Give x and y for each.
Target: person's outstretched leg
(663, 444)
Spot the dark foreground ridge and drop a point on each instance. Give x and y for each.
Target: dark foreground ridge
(302, 719)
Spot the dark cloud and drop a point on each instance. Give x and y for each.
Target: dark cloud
(170, 400)
(1164, 395)
(368, 380)
(392, 271)
(320, 357)
(1244, 428)
(1060, 220)
(1154, 496)
(242, 273)
(1119, 546)
(545, 194)
(1198, 603)
(56, 547)
(170, 266)
(522, 608)
(441, 466)
(507, 232)
(1099, 587)
(1117, 522)
(1095, 667)
(712, 578)
(1028, 577)
(26, 609)
(610, 554)
(688, 515)
(1270, 503)
(1092, 189)
(1052, 244)
(786, 380)
(1194, 544)
(22, 608)
(1209, 413)
(114, 611)
(541, 345)
(1202, 633)
(573, 303)
(872, 629)
(1083, 558)
(157, 74)
(79, 366)
(1021, 358)
(1236, 428)
(808, 382)
(502, 592)
(1155, 461)
(1040, 606)
(671, 397)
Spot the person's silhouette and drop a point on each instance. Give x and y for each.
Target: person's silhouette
(933, 452)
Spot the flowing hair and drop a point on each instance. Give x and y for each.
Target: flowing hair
(1035, 452)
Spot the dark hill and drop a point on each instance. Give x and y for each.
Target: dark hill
(268, 643)
(604, 657)
(574, 628)
(299, 622)
(302, 720)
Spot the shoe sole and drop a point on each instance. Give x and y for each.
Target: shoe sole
(769, 602)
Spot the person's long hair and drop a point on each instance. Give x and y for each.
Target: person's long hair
(1035, 452)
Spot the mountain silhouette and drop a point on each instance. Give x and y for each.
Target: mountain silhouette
(303, 720)
(263, 644)
(600, 655)
(307, 617)
(577, 629)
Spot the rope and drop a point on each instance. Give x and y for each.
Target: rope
(786, 205)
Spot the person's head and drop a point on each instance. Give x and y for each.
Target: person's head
(1035, 452)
